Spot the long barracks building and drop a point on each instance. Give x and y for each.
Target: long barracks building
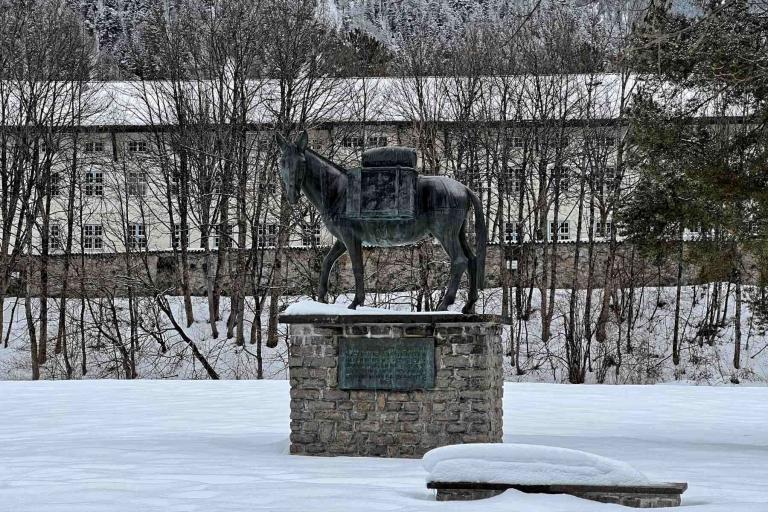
(544, 153)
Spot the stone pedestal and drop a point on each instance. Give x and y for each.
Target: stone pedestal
(461, 404)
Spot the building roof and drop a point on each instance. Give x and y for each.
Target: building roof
(601, 97)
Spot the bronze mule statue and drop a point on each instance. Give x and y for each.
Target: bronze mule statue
(439, 208)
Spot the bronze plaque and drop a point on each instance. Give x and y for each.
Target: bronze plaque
(398, 364)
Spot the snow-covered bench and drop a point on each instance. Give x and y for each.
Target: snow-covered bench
(477, 471)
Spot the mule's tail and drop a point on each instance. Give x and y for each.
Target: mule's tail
(481, 238)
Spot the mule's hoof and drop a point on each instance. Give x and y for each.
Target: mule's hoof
(352, 306)
(442, 307)
(468, 309)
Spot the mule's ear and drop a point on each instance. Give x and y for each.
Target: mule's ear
(302, 141)
(281, 140)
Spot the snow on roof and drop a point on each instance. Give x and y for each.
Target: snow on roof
(376, 100)
(526, 464)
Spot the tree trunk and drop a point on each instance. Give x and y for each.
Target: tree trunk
(678, 290)
(277, 272)
(737, 325)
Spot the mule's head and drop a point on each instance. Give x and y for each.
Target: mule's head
(293, 165)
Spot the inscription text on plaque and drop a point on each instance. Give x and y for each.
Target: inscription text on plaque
(400, 364)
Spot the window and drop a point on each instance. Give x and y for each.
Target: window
(176, 236)
(510, 232)
(377, 141)
(610, 174)
(605, 141)
(563, 231)
(137, 183)
(175, 183)
(474, 180)
(230, 229)
(563, 174)
(513, 180)
(518, 142)
(54, 184)
(698, 232)
(93, 146)
(264, 142)
(92, 237)
(310, 236)
(54, 237)
(353, 142)
(137, 146)
(137, 236)
(94, 183)
(266, 235)
(603, 229)
(176, 240)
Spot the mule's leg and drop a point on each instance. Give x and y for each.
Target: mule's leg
(355, 249)
(325, 270)
(452, 246)
(469, 307)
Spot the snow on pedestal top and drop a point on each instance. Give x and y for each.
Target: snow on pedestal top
(526, 464)
(311, 307)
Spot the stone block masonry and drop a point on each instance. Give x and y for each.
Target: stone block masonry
(464, 406)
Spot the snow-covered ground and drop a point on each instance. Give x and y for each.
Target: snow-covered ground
(208, 446)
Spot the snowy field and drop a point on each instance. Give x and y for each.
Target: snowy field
(106, 446)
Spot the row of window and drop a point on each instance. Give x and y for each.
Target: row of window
(136, 183)
(132, 146)
(359, 141)
(514, 179)
(93, 236)
(141, 146)
(564, 141)
(563, 230)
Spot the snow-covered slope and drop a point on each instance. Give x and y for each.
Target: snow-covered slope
(640, 356)
(202, 446)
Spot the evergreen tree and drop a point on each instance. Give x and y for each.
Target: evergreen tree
(707, 177)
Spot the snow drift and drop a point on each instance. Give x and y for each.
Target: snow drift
(311, 307)
(526, 464)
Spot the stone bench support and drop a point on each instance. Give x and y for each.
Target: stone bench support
(637, 496)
